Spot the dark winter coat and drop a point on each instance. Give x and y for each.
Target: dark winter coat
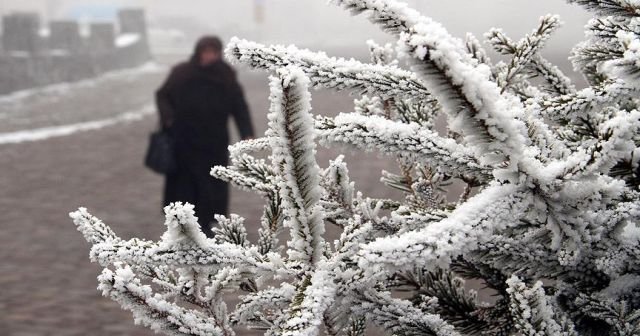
(195, 104)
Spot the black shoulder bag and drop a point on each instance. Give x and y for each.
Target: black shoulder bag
(160, 156)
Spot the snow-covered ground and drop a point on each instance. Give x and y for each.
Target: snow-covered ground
(45, 133)
(57, 109)
(19, 98)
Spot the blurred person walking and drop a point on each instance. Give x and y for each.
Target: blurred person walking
(195, 104)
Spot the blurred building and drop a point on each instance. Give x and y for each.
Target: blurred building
(314, 23)
(36, 52)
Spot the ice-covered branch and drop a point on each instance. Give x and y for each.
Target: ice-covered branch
(496, 208)
(584, 103)
(331, 72)
(381, 54)
(476, 107)
(140, 252)
(263, 308)
(183, 245)
(310, 303)
(623, 8)
(92, 228)
(292, 136)
(394, 17)
(477, 51)
(549, 144)
(250, 146)
(338, 202)
(526, 53)
(627, 67)
(240, 180)
(534, 315)
(401, 317)
(615, 142)
(394, 138)
(525, 50)
(248, 173)
(623, 319)
(152, 310)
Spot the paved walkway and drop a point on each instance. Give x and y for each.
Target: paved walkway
(47, 284)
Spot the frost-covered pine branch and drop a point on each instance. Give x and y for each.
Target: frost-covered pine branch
(547, 221)
(329, 72)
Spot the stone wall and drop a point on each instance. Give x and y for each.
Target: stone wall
(32, 56)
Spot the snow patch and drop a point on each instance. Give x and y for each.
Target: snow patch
(126, 40)
(63, 88)
(66, 130)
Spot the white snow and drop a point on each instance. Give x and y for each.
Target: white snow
(45, 133)
(182, 227)
(57, 89)
(44, 32)
(126, 40)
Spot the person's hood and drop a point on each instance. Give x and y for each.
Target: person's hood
(204, 43)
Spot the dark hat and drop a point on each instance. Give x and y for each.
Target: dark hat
(205, 42)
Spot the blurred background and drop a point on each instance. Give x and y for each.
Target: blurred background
(74, 39)
(303, 22)
(77, 81)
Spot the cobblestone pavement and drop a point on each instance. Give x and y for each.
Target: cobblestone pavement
(47, 284)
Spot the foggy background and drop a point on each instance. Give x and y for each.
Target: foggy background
(310, 23)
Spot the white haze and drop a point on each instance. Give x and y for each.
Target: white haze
(315, 24)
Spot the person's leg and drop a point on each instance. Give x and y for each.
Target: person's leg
(219, 199)
(213, 199)
(170, 189)
(179, 187)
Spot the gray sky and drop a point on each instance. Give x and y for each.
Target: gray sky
(315, 24)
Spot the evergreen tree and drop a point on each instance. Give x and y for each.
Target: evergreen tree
(547, 221)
